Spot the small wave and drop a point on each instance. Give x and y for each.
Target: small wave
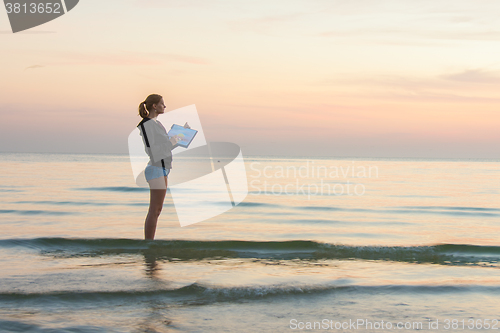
(81, 203)
(445, 254)
(33, 212)
(115, 189)
(453, 211)
(9, 190)
(197, 294)
(338, 209)
(20, 326)
(64, 203)
(257, 204)
(470, 249)
(193, 289)
(481, 209)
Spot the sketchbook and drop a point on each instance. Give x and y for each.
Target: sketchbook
(185, 134)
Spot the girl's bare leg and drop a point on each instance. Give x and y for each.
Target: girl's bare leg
(157, 195)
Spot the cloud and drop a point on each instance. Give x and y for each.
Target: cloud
(175, 3)
(181, 58)
(108, 59)
(459, 86)
(439, 81)
(27, 32)
(34, 67)
(475, 76)
(424, 20)
(265, 23)
(461, 19)
(117, 59)
(404, 34)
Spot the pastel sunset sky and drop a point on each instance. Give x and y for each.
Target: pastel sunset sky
(364, 78)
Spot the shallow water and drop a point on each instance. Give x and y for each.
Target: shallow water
(413, 242)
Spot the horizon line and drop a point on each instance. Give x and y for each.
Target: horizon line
(493, 159)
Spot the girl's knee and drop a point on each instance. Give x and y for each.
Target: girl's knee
(156, 211)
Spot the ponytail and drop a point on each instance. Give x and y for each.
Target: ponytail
(143, 111)
(145, 106)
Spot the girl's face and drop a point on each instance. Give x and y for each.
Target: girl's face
(160, 107)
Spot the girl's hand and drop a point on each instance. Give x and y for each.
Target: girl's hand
(186, 125)
(175, 139)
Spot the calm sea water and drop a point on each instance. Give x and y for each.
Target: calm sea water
(327, 244)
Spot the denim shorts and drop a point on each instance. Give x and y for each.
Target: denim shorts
(153, 172)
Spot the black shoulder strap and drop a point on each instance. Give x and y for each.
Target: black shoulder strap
(144, 131)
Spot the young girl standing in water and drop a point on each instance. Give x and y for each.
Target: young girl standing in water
(159, 147)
